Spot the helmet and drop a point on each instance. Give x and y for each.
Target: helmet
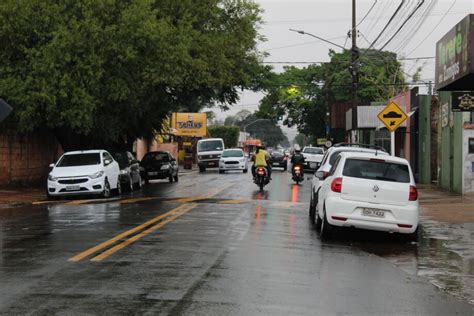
(297, 148)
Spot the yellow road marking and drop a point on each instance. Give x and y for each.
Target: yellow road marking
(174, 213)
(129, 201)
(232, 202)
(109, 242)
(127, 242)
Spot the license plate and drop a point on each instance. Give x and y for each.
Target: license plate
(313, 165)
(154, 173)
(211, 164)
(73, 188)
(373, 212)
(276, 164)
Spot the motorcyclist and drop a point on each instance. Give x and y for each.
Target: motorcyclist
(297, 157)
(260, 159)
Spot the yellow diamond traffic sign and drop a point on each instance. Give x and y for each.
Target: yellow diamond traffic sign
(392, 116)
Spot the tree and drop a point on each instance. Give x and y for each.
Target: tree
(303, 95)
(100, 73)
(230, 134)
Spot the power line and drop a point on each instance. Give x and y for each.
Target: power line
(388, 23)
(436, 26)
(368, 12)
(403, 24)
(302, 44)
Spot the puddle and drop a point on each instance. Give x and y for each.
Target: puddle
(444, 255)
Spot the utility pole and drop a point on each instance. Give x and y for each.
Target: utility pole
(354, 67)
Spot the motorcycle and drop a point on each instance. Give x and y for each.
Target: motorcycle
(261, 178)
(297, 172)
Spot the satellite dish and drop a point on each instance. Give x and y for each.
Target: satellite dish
(5, 110)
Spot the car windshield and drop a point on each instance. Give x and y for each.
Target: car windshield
(233, 153)
(122, 159)
(313, 150)
(376, 169)
(276, 154)
(74, 160)
(156, 157)
(210, 145)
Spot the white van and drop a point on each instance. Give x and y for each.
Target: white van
(209, 152)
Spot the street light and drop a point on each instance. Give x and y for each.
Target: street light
(319, 38)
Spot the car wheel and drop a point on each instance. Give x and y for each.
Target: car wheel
(51, 198)
(221, 171)
(319, 222)
(106, 192)
(176, 177)
(311, 209)
(202, 169)
(147, 181)
(326, 228)
(246, 170)
(413, 237)
(118, 190)
(170, 178)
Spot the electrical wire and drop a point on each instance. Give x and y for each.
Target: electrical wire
(388, 23)
(436, 26)
(368, 12)
(379, 13)
(420, 4)
(302, 44)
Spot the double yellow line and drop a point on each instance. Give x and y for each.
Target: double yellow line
(141, 230)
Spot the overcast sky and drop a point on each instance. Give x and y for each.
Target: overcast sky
(332, 20)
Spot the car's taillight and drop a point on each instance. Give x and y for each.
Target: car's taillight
(413, 193)
(336, 185)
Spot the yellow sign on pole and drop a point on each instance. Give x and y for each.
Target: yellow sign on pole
(392, 116)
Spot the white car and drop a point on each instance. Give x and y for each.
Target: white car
(313, 157)
(233, 159)
(84, 172)
(368, 191)
(328, 160)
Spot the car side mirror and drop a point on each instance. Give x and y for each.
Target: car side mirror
(107, 162)
(51, 165)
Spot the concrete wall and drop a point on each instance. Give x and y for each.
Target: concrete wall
(424, 134)
(143, 146)
(24, 160)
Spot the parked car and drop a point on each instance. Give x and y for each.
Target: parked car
(328, 160)
(233, 159)
(84, 172)
(279, 159)
(130, 176)
(369, 191)
(313, 157)
(209, 152)
(159, 165)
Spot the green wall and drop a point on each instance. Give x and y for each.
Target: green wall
(424, 134)
(450, 147)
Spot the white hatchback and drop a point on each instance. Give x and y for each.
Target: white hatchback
(84, 172)
(368, 191)
(233, 159)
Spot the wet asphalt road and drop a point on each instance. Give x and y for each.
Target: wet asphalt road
(208, 245)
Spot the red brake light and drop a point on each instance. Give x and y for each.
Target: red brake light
(377, 159)
(336, 185)
(261, 171)
(297, 168)
(413, 193)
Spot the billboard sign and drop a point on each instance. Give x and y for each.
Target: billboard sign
(189, 124)
(454, 57)
(462, 101)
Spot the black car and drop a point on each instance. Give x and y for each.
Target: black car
(279, 160)
(130, 176)
(159, 165)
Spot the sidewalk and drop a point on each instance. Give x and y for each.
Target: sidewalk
(444, 206)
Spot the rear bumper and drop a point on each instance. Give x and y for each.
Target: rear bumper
(162, 174)
(398, 219)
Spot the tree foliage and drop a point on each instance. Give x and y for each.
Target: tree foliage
(303, 95)
(230, 134)
(101, 72)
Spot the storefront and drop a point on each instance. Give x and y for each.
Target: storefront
(455, 84)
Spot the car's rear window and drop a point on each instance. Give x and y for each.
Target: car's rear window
(74, 160)
(376, 170)
(313, 150)
(156, 156)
